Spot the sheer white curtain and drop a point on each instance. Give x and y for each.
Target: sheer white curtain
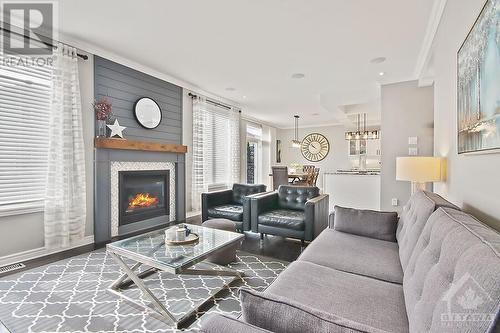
(216, 148)
(65, 206)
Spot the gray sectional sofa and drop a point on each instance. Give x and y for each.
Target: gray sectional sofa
(436, 269)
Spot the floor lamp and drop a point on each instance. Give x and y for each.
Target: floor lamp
(419, 170)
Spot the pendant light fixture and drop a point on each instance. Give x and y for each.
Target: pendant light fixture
(362, 135)
(295, 141)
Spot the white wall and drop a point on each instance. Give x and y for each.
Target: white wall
(407, 110)
(187, 140)
(25, 232)
(473, 180)
(337, 158)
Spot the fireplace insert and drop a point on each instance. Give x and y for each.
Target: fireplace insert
(143, 195)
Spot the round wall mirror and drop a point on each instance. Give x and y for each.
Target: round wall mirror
(147, 112)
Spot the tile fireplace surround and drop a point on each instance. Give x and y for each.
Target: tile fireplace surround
(117, 166)
(108, 163)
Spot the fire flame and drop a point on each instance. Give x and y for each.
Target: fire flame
(142, 200)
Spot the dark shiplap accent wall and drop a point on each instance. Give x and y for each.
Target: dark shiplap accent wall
(123, 86)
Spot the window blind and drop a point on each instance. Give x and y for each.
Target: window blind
(218, 139)
(25, 94)
(216, 148)
(254, 131)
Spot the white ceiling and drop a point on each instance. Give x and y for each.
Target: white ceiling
(255, 46)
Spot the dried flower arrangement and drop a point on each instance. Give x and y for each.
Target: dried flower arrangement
(103, 109)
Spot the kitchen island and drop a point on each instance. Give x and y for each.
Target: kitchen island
(353, 189)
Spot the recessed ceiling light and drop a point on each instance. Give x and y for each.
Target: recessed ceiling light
(298, 75)
(244, 97)
(230, 89)
(381, 73)
(378, 60)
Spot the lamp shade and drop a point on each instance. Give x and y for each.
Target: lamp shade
(419, 169)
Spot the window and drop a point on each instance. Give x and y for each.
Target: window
(25, 94)
(216, 148)
(254, 153)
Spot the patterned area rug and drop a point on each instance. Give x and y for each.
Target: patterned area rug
(71, 296)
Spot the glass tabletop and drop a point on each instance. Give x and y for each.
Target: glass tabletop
(150, 248)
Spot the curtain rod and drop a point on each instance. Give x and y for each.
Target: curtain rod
(211, 101)
(46, 41)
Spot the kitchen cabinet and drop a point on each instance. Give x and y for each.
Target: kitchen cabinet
(361, 191)
(373, 147)
(364, 147)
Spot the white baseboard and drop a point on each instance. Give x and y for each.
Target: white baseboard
(40, 252)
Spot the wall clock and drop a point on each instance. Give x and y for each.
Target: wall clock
(315, 147)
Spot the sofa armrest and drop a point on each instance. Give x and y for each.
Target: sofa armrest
(260, 204)
(217, 323)
(316, 210)
(212, 199)
(367, 223)
(331, 220)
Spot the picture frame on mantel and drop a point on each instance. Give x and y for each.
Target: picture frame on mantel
(478, 85)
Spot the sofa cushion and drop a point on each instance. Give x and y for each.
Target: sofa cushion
(284, 315)
(355, 254)
(369, 223)
(283, 218)
(295, 197)
(231, 212)
(240, 191)
(413, 219)
(349, 300)
(453, 271)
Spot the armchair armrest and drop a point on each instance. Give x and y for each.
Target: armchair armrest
(368, 223)
(213, 199)
(260, 204)
(217, 323)
(246, 209)
(316, 210)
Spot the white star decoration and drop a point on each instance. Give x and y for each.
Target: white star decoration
(116, 129)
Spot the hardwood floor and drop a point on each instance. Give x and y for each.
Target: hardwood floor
(272, 246)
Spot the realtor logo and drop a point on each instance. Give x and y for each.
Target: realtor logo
(467, 302)
(36, 20)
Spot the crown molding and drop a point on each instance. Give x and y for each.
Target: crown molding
(92, 49)
(428, 42)
(313, 126)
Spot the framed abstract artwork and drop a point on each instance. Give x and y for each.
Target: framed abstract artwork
(478, 84)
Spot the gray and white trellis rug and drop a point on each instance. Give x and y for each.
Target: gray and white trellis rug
(70, 295)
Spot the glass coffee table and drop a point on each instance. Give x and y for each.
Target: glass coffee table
(151, 251)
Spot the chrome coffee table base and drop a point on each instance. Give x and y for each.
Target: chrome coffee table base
(159, 310)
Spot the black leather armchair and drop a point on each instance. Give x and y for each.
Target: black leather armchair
(293, 211)
(231, 204)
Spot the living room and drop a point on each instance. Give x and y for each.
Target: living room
(223, 166)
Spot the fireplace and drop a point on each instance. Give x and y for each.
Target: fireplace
(143, 195)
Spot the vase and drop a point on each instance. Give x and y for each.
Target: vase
(101, 128)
